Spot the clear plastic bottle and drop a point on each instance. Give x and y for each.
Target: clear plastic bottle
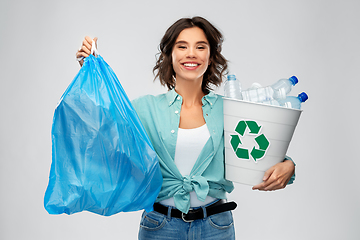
(232, 88)
(276, 91)
(272, 102)
(255, 85)
(294, 102)
(283, 86)
(258, 95)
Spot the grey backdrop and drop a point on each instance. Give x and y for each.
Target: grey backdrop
(265, 40)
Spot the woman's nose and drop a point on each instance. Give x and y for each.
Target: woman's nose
(190, 53)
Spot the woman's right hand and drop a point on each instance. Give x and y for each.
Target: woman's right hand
(85, 49)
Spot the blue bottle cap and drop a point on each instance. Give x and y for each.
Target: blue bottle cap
(293, 80)
(231, 77)
(303, 97)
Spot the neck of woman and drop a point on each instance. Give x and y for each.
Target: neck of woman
(191, 93)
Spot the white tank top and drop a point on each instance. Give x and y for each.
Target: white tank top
(189, 145)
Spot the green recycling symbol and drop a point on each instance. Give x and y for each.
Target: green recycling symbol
(257, 152)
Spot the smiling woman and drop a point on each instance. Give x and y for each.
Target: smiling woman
(187, 122)
(186, 128)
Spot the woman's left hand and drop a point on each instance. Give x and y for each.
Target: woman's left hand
(277, 176)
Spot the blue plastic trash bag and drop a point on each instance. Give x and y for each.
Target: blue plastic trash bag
(102, 159)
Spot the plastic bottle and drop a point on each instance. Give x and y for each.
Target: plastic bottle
(232, 88)
(255, 85)
(272, 102)
(294, 102)
(276, 91)
(258, 95)
(283, 87)
(264, 95)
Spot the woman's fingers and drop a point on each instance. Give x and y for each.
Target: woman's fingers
(88, 40)
(276, 177)
(80, 54)
(87, 43)
(275, 185)
(85, 49)
(266, 180)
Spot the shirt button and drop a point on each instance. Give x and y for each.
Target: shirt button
(176, 111)
(178, 98)
(210, 103)
(172, 131)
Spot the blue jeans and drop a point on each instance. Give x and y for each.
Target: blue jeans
(156, 226)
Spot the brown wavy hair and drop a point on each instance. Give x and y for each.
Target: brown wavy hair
(218, 64)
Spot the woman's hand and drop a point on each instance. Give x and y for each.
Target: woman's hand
(277, 176)
(85, 49)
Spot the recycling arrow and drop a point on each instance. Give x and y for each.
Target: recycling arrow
(261, 141)
(240, 152)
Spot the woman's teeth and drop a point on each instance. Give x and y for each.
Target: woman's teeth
(190, 64)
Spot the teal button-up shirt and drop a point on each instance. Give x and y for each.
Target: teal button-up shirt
(160, 116)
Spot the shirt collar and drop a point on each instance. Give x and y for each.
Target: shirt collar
(172, 96)
(210, 99)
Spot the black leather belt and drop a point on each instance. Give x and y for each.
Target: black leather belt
(218, 207)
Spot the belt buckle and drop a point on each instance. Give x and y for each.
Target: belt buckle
(183, 218)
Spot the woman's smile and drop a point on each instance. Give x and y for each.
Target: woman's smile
(191, 65)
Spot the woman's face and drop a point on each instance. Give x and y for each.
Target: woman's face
(191, 55)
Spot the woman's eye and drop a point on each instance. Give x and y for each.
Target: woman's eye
(182, 47)
(201, 47)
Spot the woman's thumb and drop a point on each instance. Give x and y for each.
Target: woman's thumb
(267, 174)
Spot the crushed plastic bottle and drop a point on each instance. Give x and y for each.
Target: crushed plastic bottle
(258, 95)
(255, 85)
(272, 102)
